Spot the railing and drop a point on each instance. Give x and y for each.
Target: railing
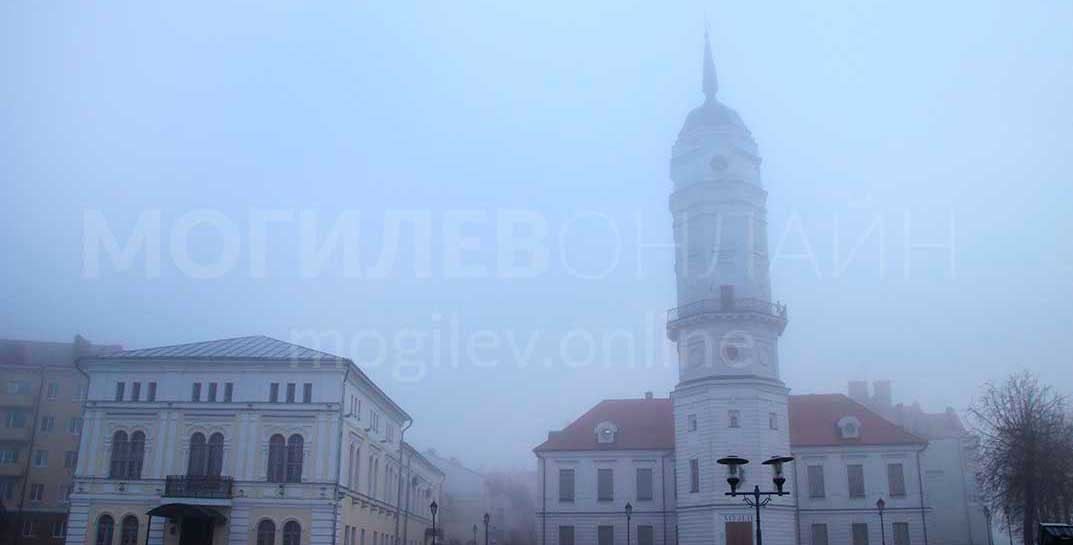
(196, 486)
(728, 305)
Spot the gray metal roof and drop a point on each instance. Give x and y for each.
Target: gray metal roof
(257, 347)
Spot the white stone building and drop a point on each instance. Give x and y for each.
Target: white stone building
(246, 440)
(660, 455)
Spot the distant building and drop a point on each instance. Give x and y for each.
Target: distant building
(41, 394)
(249, 440)
(465, 500)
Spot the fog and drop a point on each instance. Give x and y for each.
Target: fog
(496, 176)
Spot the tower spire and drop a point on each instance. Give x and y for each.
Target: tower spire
(710, 83)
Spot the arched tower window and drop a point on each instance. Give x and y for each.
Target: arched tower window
(292, 533)
(277, 455)
(105, 529)
(196, 464)
(129, 531)
(266, 533)
(295, 444)
(120, 450)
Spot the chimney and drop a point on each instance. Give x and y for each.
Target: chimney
(882, 394)
(648, 395)
(858, 391)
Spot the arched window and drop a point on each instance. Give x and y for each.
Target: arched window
(198, 455)
(266, 533)
(214, 463)
(294, 459)
(129, 532)
(292, 533)
(105, 528)
(277, 455)
(120, 449)
(136, 454)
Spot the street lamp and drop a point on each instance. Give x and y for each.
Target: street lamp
(880, 504)
(474, 534)
(486, 519)
(629, 512)
(433, 508)
(752, 499)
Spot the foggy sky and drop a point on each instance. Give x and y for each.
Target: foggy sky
(957, 114)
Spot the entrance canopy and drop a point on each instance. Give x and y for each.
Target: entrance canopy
(185, 510)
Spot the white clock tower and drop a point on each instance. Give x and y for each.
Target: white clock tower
(729, 399)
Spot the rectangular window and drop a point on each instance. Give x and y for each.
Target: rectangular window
(16, 418)
(694, 475)
(646, 535)
(229, 391)
(212, 392)
(195, 392)
(37, 492)
(53, 390)
(860, 533)
(901, 533)
(566, 485)
(691, 422)
(9, 455)
(856, 480)
(307, 392)
(273, 392)
(70, 459)
(151, 394)
(644, 484)
(27, 528)
(816, 486)
(119, 390)
(74, 425)
(7, 489)
(734, 418)
(40, 458)
(566, 535)
(819, 534)
(605, 535)
(290, 392)
(135, 391)
(47, 424)
(896, 479)
(59, 528)
(773, 421)
(605, 485)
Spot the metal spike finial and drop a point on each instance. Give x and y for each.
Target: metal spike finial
(710, 83)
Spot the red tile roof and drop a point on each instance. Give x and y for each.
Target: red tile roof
(643, 424)
(648, 424)
(814, 423)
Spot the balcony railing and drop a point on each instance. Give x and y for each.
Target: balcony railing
(196, 486)
(728, 306)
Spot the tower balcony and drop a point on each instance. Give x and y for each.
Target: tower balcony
(733, 308)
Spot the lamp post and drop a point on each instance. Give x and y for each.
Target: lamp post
(474, 534)
(629, 512)
(753, 499)
(880, 504)
(433, 508)
(486, 519)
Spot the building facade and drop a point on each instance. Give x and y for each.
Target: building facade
(41, 397)
(245, 440)
(661, 456)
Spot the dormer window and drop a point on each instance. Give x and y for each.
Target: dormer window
(605, 433)
(849, 427)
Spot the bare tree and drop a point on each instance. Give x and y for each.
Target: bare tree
(1026, 453)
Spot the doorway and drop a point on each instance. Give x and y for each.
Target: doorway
(196, 531)
(739, 533)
